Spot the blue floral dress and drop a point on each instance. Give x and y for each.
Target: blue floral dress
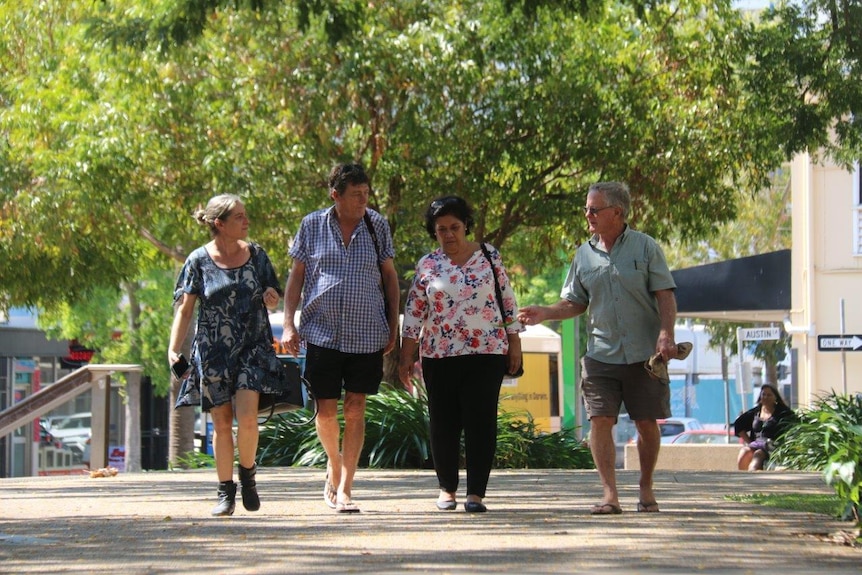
(232, 347)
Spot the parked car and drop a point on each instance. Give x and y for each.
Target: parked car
(673, 426)
(45, 437)
(73, 430)
(624, 431)
(85, 456)
(705, 436)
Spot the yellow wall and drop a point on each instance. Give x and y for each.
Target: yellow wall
(825, 271)
(532, 392)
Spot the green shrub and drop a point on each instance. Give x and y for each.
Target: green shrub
(290, 439)
(828, 438)
(520, 445)
(195, 460)
(397, 437)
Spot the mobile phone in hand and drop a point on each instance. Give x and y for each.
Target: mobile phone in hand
(181, 366)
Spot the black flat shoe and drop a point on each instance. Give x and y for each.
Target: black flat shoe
(475, 507)
(447, 505)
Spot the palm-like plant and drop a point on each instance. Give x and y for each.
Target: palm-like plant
(521, 445)
(828, 438)
(397, 437)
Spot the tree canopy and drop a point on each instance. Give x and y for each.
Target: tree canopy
(119, 118)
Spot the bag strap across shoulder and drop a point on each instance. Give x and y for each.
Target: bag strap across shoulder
(373, 233)
(496, 281)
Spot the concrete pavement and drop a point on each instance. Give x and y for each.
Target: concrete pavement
(538, 522)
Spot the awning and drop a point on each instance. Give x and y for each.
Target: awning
(750, 289)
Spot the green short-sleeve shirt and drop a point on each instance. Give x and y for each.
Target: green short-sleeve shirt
(618, 288)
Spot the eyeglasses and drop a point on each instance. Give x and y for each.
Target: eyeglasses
(594, 211)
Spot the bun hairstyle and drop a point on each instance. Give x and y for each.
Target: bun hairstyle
(218, 208)
(448, 206)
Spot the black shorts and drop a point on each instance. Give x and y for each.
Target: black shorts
(329, 370)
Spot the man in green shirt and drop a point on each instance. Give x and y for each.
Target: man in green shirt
(622, 277)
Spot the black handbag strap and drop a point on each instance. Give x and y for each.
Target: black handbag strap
(253, 249)
(496, 282)
(373, 233)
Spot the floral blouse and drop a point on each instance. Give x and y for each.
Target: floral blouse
(455, 308)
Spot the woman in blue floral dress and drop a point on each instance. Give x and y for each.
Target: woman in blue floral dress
(232, 358)
(467, 345)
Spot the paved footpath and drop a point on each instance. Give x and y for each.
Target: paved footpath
(538, 522)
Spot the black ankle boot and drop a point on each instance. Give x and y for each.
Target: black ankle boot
(250, 500)
(226, 499)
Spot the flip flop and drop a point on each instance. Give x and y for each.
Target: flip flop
(606, 509)
(648, 507)
(346, 507)
(329, 493)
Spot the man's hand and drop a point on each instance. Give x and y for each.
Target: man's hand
(390, 345)
(290, 339)
(532, 315)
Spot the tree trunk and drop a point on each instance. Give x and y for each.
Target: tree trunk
(133, 389)
(133, 421)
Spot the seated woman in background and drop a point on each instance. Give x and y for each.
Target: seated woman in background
(759, 427)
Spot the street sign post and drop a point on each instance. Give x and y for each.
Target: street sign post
(839, 342)
(751, 334)
(759, 333)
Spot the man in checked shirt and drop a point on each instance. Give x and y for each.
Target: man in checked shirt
(343, 271)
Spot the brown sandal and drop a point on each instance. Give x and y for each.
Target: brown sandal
(606, 509)
(648, 507)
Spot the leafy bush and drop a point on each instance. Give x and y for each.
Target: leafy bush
(397, 437)
(194, 460)
(289, 439)
(520, 445)
(828, 438)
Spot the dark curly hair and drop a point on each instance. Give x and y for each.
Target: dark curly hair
(344, 174)
(448, 206)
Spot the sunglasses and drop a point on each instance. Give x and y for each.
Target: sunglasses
(594, 211)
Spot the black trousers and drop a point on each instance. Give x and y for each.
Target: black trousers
(463, 393)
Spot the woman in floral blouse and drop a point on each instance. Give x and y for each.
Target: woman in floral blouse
(466, 345)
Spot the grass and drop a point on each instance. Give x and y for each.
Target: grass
(823, 504)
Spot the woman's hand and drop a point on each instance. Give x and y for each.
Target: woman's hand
(405, 360)
(270, 298)
(515, 356)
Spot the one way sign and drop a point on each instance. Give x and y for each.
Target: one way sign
(839, 342)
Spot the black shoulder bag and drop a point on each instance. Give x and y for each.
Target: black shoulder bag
(520, 371)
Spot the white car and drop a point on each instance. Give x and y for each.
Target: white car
(673, 426)
(73, 430)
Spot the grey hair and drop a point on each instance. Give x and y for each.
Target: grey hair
(218, 208)
(616, 194)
